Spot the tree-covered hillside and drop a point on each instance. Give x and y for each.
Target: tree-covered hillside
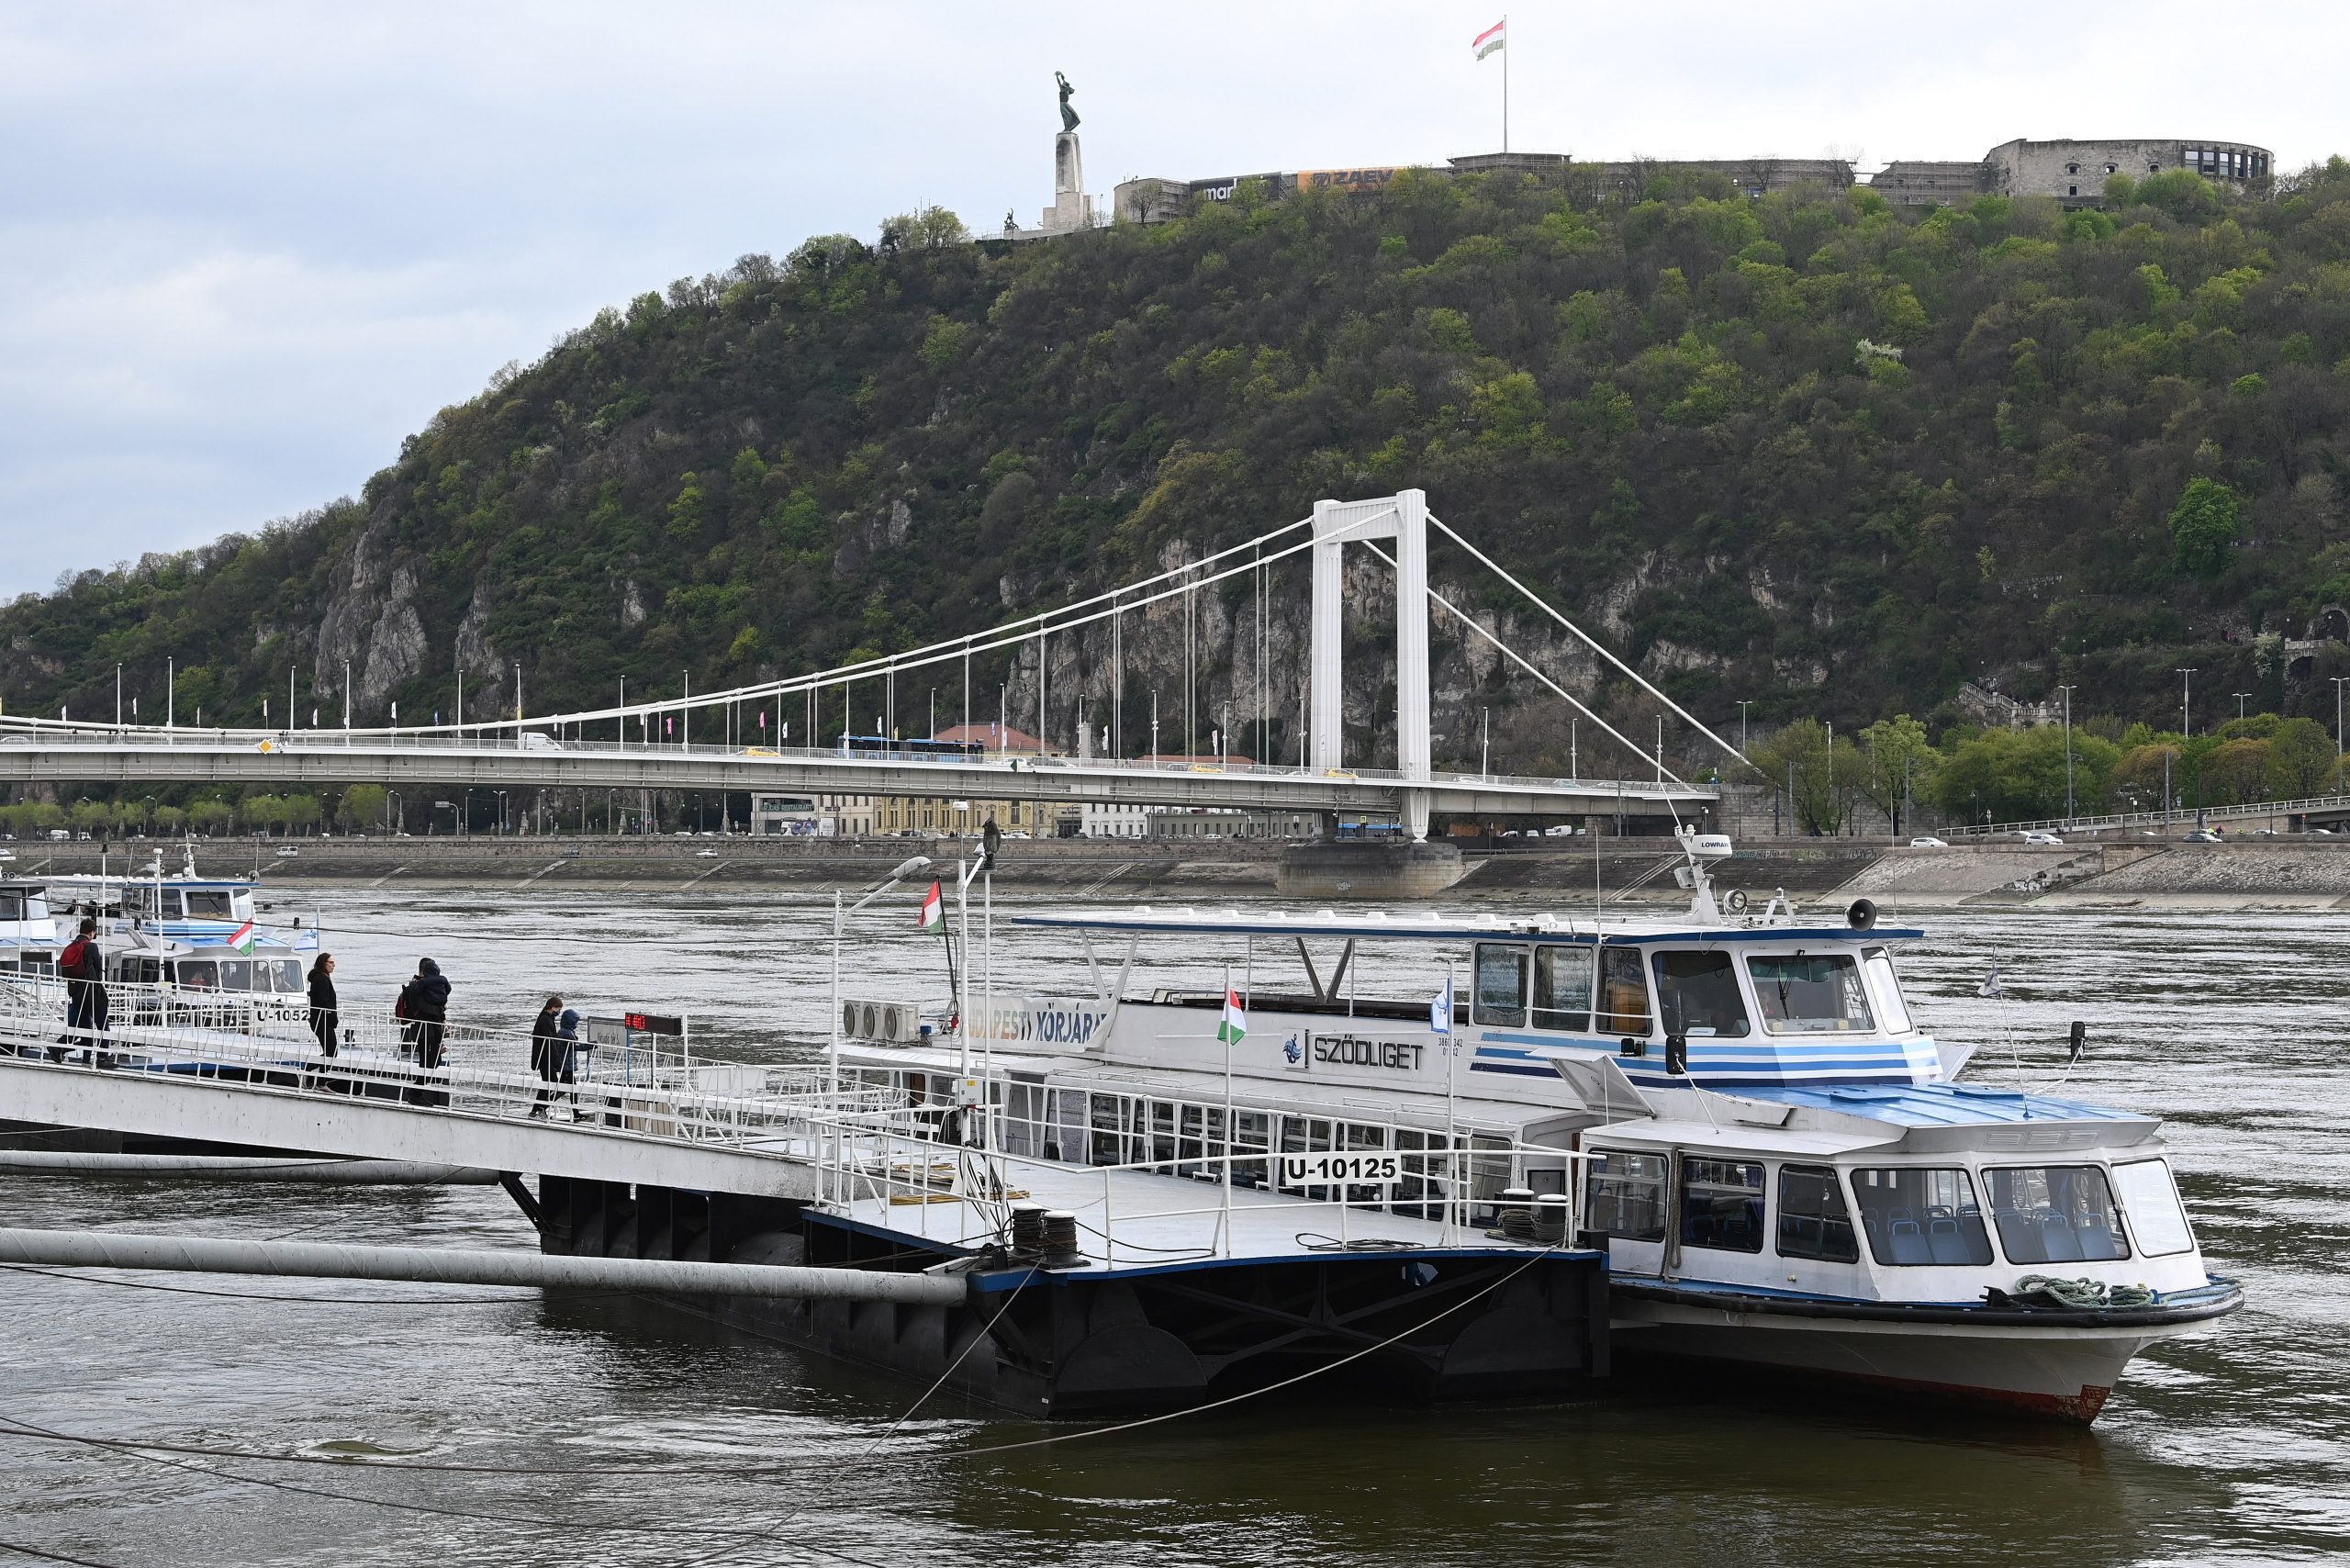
(1812, 450)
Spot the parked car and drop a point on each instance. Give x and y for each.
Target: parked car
(287, 851)
(1558, 833)
(705, 854)
(2041, 838)
(2202, 835)
(1927, 842)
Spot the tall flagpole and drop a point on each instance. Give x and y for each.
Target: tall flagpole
(1504, 81)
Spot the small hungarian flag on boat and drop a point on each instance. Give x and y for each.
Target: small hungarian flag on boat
(933, 910)
(1492, 39)
(1235, 1021)
(242, 939)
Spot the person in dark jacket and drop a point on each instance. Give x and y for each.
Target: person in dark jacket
(423, 1012)
(83, 967)
(549, 1052)
(323, 1011)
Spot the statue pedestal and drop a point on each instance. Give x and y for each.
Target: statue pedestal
(1071, 209)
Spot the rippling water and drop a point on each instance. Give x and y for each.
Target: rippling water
(2230, 1448)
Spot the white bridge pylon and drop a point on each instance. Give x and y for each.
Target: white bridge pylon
(1403, 517)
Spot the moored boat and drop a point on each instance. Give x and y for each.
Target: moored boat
(1774, 1154)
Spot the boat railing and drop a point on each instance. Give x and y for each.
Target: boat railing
(917, 1156)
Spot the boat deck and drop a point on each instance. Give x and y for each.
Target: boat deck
(1165, 1223)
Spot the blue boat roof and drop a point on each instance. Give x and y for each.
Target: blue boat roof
(1437, 925)
(1938, 1105)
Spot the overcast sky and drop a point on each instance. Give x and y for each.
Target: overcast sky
(246, 248)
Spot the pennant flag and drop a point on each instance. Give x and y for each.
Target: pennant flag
(933, 910)
(1235, 1027)
(1991, 987)
(242, 939)
(1440, 1010)
(1492, 39)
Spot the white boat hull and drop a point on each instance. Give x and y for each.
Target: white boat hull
(2063, 1373)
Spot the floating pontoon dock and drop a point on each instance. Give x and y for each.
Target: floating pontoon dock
(1075, 1286)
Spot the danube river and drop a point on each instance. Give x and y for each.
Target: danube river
(683, 1446)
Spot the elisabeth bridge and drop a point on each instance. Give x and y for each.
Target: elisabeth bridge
(556, 750)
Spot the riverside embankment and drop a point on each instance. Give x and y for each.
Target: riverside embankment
(2290, 872)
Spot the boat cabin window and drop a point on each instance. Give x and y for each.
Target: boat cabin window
(2054, 1213)
(1721, 1204)
(1888, 990)
(37, 963)
(1563, 988)
(1813, 1220)
(12, 905)
(1501, 984)
(1697, 994)
(197, 974)
(1811, 994)
(2150, 1198)
(1921, 1215)
(1623, 992)
(140, 971)
(201, 904)
(1624, 1194)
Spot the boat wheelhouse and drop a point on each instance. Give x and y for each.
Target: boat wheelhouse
(181, 906)
(1755, 1126)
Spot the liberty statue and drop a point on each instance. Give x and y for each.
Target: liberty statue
(1068, 116)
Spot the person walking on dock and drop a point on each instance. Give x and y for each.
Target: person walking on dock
(83, 967)
(423, 1012)
(323, 1011)
(549, 1052)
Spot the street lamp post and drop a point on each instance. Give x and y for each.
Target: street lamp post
(1744, 704)
(2068, 754)
(2338, 682)
(2185, 691)
(2240, 697)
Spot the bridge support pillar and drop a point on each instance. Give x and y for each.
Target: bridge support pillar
(1403, 518)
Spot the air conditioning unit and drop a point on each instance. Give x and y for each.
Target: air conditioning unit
(897, 1021)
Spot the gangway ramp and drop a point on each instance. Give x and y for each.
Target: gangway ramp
(663, 1137)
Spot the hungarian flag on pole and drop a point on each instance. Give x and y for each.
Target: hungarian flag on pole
(242, 939)
(1494, 38)
(933, 910)
(1235, 1021)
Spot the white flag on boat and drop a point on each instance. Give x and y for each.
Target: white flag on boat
(1440, 1010)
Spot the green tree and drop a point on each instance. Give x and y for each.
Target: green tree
(360, 808)
(2204, 528)
(210, 818)
(1898, 764)
(2235, 774)
(2300, 760)
(1818, 779)
(2019, 775)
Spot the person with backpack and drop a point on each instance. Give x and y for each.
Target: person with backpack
(83, 967)
(423, 1012)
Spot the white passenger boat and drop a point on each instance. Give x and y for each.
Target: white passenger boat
(1768, 1146)
(153, 904)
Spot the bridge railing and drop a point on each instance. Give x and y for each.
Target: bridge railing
(2184, 817)
(1015, 766)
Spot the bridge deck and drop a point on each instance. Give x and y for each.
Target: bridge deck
(324, 758)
